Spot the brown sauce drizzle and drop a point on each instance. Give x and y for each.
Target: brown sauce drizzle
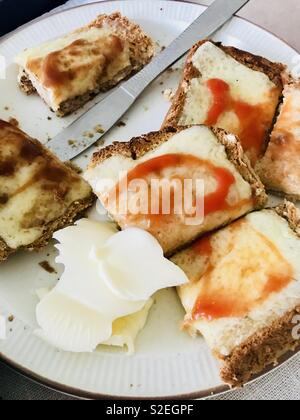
(53, 176)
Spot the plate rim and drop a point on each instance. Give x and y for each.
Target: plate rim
(88, 395)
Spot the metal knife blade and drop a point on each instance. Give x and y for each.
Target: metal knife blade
(82, 132)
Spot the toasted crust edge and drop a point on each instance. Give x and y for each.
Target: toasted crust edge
(260, 351)
(141, 48)
(141, 45)
(139, 146)
(265, 347)
(291, 214)
(272, 70)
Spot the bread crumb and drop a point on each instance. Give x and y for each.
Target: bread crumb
(47, 267)
(13, 121)
(168, 94)
(100, 143)
(11, 318)
(99, 129)
(121, 124)
(88, 134)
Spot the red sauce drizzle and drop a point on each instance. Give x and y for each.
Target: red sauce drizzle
(221, 100)
(254, 120)
(203, 246)
(213, 202)
(216, 301)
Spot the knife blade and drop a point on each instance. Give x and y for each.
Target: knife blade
(82, 133)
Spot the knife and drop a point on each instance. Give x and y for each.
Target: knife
(108, 112)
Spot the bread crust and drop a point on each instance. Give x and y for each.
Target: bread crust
(261, 350)
(139, 146)
(141, 46)
(272, 70)
(291, 214)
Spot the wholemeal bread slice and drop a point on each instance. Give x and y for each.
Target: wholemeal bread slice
(231, 89)
(186, 154)
(38, 193)
(71, 70)
(279, 169)
(244, 291)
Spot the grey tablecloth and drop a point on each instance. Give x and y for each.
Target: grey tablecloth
(282, 384)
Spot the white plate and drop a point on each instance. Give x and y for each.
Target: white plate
(167, 361)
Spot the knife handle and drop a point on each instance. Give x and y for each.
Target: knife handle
(205, 25)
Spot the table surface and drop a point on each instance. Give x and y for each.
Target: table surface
(282, 18)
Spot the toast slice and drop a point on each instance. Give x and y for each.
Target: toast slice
(231, 89)
(279, 169)
(244, 291)
(71, 70)
(176, 155)
(38, 193)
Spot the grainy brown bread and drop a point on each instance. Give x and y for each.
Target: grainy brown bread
(272, 70)
(291, 214)
(260, 351)
(12, 139)
(141, 50)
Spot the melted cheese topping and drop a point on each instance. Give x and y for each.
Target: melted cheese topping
(194, 144)
(279, 168)
(241, 279)
(35, 188)
(247, 88)
(75, 64)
